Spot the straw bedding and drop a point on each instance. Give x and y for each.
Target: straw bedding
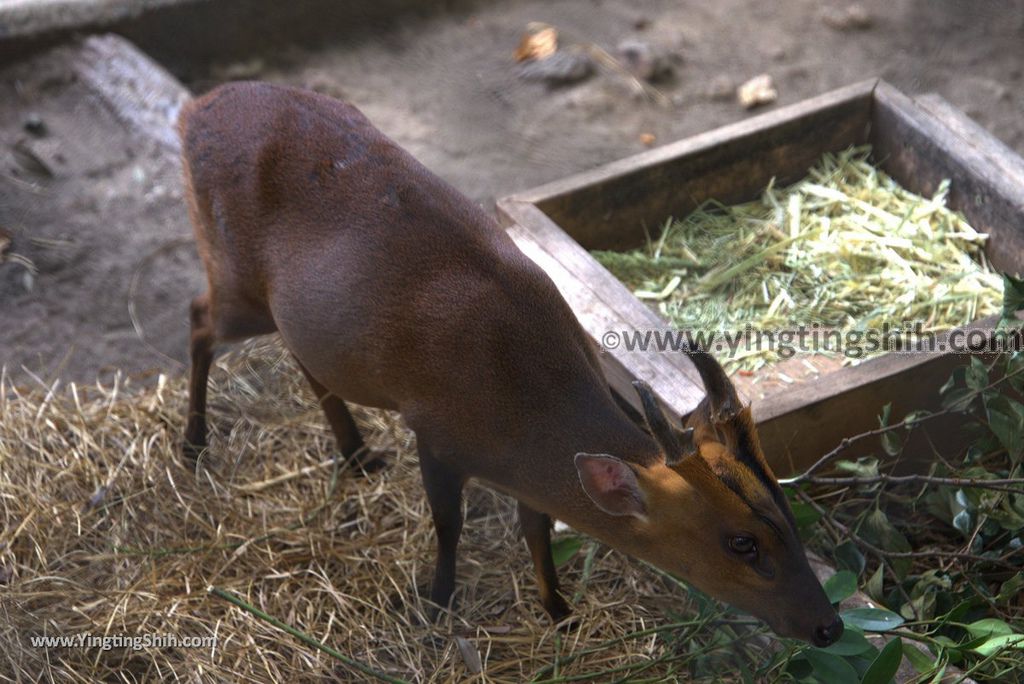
(105, 532)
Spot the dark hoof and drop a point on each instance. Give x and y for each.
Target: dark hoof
(431, 614)
(367, 461)
(438, 610)
(191, 452)
(561, 615)
(441, 604)
(568, 624)
(436, 613)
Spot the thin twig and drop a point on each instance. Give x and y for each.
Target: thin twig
(860, 541)
(1013, 485)
(601, 56)
(908, 424)
(133, 287)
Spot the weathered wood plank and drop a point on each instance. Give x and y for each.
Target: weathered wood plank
(610, 207)
(800, 424)
(604, 304)
(139, 92)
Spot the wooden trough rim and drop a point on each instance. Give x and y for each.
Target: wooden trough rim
(1007, 167)
(963, 140)
(693, 144)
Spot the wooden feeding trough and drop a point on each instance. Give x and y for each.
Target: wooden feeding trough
(918, 141)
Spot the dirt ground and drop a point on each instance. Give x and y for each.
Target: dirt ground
(448, 90)
(98, 235)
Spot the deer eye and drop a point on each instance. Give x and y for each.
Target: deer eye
(743, 545)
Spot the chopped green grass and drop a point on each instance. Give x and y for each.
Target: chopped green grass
(846, 248)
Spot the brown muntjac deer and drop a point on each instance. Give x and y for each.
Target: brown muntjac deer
(393, 290)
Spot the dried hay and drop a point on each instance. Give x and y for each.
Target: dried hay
(105, 532)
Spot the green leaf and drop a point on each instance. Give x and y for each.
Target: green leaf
(940, 673)
(1013, 295)
(1009, 518)
(884, 668)
(831, 669)
(883, 420)
(949, 649)
(958, 399)
(804, 514)
(852, 642)
(976, 375)
(563, 550)
(872, 619)
(955, 379)
(919, 607)
(923, 662)
(989, 627)
(1015, 368)
(865, 466)
(849, 557)
(942, 504)
(964, 523)
(1006, 420)
(875, 584)
(798, 667)
(1010, 588)
(840, 586)
(1000, 642)
(925, 594)
(892, 444)
(915, 416)
(878, 530)
(957, 612)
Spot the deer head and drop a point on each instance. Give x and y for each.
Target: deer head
(712, 512)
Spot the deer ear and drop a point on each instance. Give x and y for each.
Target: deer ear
(611, 484)
(721, 394)
(663, 434)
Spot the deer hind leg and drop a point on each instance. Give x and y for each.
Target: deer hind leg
(537, 532)
(201, 344)
(346, 432)
(213, 320)
(444, 493)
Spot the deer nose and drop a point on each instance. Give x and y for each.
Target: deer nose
(828, 634)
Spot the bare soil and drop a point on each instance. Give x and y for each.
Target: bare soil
(446, 88)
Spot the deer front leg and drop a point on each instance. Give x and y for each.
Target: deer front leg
(444, 493)
(537, 532)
